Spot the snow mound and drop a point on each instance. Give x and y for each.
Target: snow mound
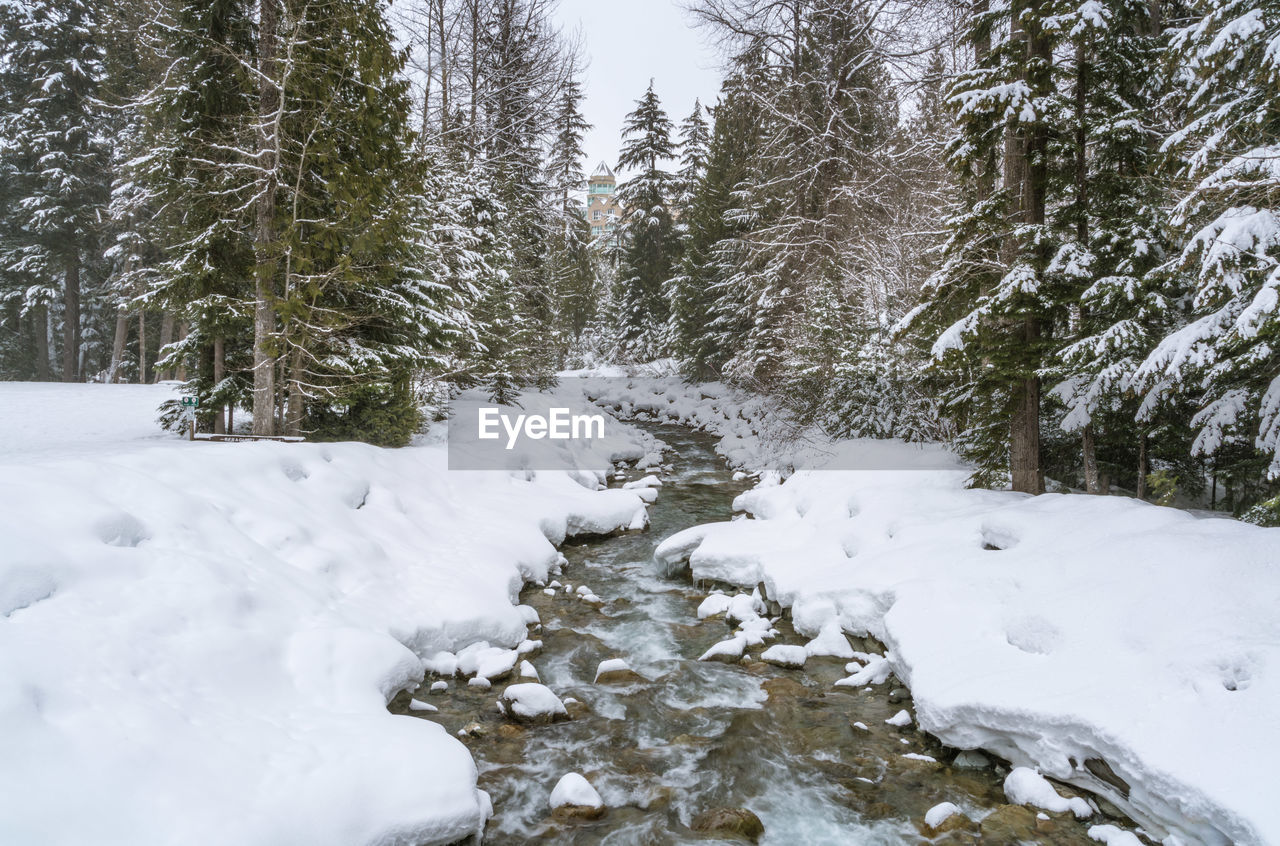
(902, 719)
(573, 789)
(1025, 786)
(1117, 646)
(199, 640)
(785, 656)
(532, 701)
(940, 813)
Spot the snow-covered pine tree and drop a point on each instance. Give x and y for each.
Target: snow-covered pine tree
(1109, 224)
(53, 163)
(987, 307)
(360, 309)
(1225, 358)
(695, 149)
(708, 315)
(189, 188)
(650, 244)
(571, 266)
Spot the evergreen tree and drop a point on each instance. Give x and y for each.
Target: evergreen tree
(190, 191)
(361, 311)
(650, 243)
(989, 306)
(1224, 359)
(695, 149)
(53, 164)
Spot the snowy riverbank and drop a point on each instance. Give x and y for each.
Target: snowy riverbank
(1123, 647)
(198, 641)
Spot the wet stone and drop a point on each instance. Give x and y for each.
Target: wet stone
(730, 822)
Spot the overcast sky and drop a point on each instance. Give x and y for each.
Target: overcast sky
(628, 41)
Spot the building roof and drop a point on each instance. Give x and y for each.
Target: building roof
(602, 169)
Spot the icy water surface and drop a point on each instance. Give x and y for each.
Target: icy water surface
(694, 736)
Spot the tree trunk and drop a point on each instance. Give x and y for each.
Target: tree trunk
(1092, 484)
(1027, 165)
(1024, 430)
(219, 373)
(166, 338)
(1142, 465)
(40, 333)
(293, 424)
(71, 321)
(184, 329)
(117, 345)
(264, 386)
(142, 346)
(282, 378)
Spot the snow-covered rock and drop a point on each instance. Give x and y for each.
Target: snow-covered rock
(1113, 836)
(530, 702)
(940, 813)
(726, 650)
(785, 656)
(1025, 786)
(716, 603)
(647, 482)
(616, 671)
(419, 705)
(573, 789)
(901, 719)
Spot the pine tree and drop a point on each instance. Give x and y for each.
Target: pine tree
(190, 190)
(707, 313)
(1224, 360)
(360, 310)
(1110, 225)
(53, 163)
(571, 266)
(648, 232)
(988, 307)
(695, 149)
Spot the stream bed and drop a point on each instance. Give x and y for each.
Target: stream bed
(815, 763)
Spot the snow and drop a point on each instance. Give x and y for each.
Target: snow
(1025, 786)
(784, 655)
(573, 789)
(198, 641)
(1049, 630)
(419, 705)
(531, 700)
(647, 482)
(900, 719)
(611, 665)
(716, 603)
(731, 648)
(940, 813)
(528, 671)
(1113, 836)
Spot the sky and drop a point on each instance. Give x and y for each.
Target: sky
(627, 42)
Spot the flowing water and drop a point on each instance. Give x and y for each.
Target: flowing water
(816, 764)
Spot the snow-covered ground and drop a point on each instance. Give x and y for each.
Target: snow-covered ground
(1067, 633)
(198, 640)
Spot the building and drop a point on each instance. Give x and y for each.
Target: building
(603, 211)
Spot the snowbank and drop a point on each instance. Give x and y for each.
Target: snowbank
(1126, 648)
(198, 641)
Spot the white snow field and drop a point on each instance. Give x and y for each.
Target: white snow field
(1059, 631)
(198, 640)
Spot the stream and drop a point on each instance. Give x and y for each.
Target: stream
(817, 764)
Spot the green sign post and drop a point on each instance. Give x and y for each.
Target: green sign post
(189, 405)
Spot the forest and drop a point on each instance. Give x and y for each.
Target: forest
(1043, 231)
